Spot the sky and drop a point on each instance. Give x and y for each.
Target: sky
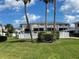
(12, 12)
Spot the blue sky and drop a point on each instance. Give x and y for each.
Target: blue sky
(13, 12)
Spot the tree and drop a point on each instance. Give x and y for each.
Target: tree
(25, 8)
(46, 13)
(46, 3)
(10, 28)
(54, 22)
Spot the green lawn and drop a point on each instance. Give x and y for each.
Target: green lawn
(60, 49)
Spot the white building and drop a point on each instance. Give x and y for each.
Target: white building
(0, 28)
(41, 27)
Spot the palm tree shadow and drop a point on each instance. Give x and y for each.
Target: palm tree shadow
(19, 41)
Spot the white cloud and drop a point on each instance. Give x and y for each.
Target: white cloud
(70, 8)
(32, 18)
(65, 7)
(18, 22)
(71, 5)
(72, 25)
(60, 0)
(14, 4)
(48, 10)
(71, 18)
(0, 22)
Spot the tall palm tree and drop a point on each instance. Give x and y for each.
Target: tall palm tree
(25, 8)
(54, 22)
(46, 13)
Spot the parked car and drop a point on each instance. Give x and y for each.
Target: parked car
(3, 38)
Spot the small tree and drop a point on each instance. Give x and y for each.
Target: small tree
(10, 28)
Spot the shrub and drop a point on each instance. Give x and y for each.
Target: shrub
(3, 38)
(9, 34)
(45, 37)
(48, 36)
(40, 37)
(55, 34)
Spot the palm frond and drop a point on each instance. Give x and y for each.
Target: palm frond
(47, 1)
(17, 0)
(51, 1)
(26, 1)
(29, 1)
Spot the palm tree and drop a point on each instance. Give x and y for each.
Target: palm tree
(54, 22)
(46, 13)
(46, 2)
(54, 15)
(27, 20)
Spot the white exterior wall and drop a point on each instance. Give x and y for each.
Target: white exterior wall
(0, 29)
(43, 26)
(64, 35)
(35, 35)
(27, 36)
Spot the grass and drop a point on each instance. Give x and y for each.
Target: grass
(61, 49)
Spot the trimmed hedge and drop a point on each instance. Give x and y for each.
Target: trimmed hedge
(47, 36)
(3, 38)
(56, 35)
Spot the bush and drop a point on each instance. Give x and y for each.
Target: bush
(40, 37)
(3, 38)
(45, 37)
(56, 35)
(9, 34)
(48, 36)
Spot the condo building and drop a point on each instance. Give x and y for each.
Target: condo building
(41, 27)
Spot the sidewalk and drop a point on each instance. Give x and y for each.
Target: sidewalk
(74, 37)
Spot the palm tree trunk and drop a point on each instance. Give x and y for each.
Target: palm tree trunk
(46, 17)
(54, 22)
(25, 6)
(38, 27)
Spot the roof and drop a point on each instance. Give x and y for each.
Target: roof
(73, 29)
(0, 25)
(76, 22)
(58, 23)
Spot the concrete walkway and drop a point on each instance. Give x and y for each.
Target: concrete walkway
(74, 37)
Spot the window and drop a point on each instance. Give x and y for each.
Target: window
(35, 29)
(49, 29)
(41, 29)
(78, 25)
(27, 30)
(66, 24)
